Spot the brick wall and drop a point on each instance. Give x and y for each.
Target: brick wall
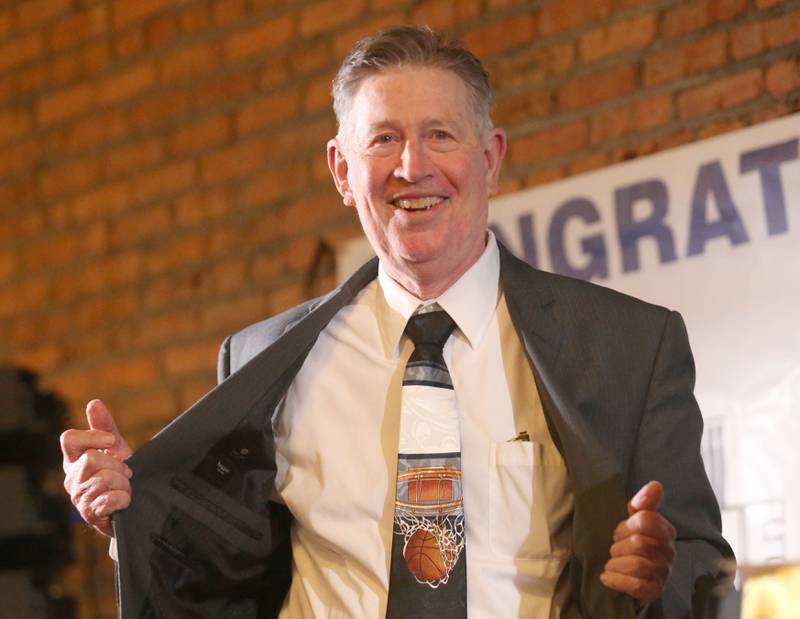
(162, 171)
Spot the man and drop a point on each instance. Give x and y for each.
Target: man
(276, 492)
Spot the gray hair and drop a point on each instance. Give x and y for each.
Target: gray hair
(411, 46)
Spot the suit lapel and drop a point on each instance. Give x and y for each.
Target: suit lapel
(596, 482)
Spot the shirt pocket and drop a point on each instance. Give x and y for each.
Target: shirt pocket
(517, 517)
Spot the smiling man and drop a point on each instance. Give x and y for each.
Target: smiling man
(449, 432)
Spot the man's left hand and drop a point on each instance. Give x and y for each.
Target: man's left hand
(643, 549)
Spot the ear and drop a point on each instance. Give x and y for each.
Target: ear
(337, 163)
(494, 151)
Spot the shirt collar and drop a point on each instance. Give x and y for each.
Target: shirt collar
(470, 301)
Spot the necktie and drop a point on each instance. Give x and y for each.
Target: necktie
(428, 574)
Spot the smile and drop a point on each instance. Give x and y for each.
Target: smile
(417, 204)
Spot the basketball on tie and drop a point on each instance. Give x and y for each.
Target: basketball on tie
(424, 558)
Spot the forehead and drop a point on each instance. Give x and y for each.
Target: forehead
(410, 95)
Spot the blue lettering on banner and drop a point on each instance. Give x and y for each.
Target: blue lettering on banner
(767, 162)
(642, 208)
(711, 182)
(631, 231)
(593, 246)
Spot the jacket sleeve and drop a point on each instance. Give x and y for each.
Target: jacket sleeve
(668, 450)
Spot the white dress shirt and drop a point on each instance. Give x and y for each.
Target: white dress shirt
(336, 440)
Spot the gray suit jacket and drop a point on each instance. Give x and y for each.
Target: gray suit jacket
(615, 375)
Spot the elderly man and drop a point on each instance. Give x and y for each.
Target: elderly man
(449, 431)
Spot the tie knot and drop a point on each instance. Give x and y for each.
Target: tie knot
(431, 328)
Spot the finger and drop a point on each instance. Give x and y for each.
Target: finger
(647, 498)
(644, 546)
(97, 513)
(642, 590)
(100, 418)
(639, 567)
(75, 442)
(103, 481)
(90, 464)
(647, 523)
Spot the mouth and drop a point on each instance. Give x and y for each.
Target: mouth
(417, 204)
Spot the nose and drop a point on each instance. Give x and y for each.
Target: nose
(414, 163)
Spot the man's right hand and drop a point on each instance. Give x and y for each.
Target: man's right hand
(96, 476)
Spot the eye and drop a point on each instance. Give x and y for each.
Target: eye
(384, 138)
(440, 134)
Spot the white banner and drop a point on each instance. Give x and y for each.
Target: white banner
(711, 229)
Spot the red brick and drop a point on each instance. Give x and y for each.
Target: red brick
(97, 312)
(268, 110)
(782, 30)
(124, 374)
(652, 112)
(550, 143)
(191, 391)
(14, 122)
(213, 131)
(189, 62)
(686, 18)
(195, 19)
(230, 314)
(631, 34)
(8, 265)
(128, 11)
(19, 194)
(662, 67)
(259, 38)
(233, 161)
(164, 181)
(746, 40)
(21, 49)
(770, 111)
(71, 177)
(313, 211)
(325, 15)
(528, 66)
(23, 224)
(721, 94)
(225, 89)
(108, 272)
(130, 158)
(36, 12)
(23, 296)
(706, 53)
(129, 42)
(610, 124)
(718, 128)
(140, 225)
(559, 15)
(95, 56)
(52, 251)
(765, 4)
(274, 75)
(203, 207)
(78, 27)
(268, 187)
(523, 106)
(60, 70)
(501, 35)
(312, 57)
(105, 200)
(597, 87)
(317, 94)
(28, 80)
(20, 157)
(161, 31)
(191, 358)
(159, 108)
(226, 12)
(587, 163)
(167, 327)
(783, 77)
(64, 103)
(40, 359)
(7, 19)
(227, 277)
(442, 14)
(126, 84)
(344, 39)
(155, 406)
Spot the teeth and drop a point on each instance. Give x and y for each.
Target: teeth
(417, 204)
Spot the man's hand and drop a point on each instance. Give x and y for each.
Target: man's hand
(643, 549)
(96, 477)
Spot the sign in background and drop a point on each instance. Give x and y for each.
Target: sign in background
(711, 229)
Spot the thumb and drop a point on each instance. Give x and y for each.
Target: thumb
(99, 418)
(647, 499)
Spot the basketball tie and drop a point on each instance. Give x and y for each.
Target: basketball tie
(428, 574)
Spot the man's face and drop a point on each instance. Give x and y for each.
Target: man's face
(419, 173)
